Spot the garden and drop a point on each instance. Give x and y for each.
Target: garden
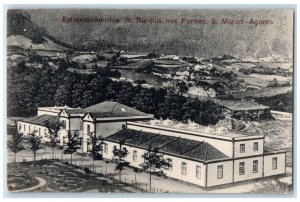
(59, 177)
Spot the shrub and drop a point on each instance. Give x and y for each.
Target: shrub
(87, 170)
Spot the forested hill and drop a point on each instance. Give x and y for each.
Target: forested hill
(29, 88)
(242, 40)
(19, 23)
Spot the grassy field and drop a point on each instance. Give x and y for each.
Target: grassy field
(263, 92)
(269, 78)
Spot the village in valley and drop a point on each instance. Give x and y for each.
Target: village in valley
(101, 118)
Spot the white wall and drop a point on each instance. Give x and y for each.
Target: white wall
(212, 170)
(268, 171)
(40, 130)
(249, 174)
(43, 112)
(174, 172)
(85, 133)
(248, 148)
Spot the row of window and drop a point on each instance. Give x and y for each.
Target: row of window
(34, 129)
(243, 149)
(242, 167)
(198, 168)
(184, 170)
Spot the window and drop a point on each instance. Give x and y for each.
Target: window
(255, 166)
(242, 148)
(20, 127)
(220, 172)
(274, 163)
(45, 131)
(255, 146)
(198, 172)
(29, 128)
(105, 148)
(171, 164)
(242, 168)
(88, 129)
(34, 129)
(64, 125)
(183, 168)
(39, 131)
(134, 156)
(24, 127)
(115, 147)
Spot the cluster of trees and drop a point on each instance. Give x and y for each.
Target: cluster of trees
(282, 102)
(29, 88)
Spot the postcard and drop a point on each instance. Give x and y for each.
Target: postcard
(150, 100)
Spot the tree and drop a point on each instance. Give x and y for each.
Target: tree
(119, 157)
(53, 129)
(35, 143)
(15, 143)
(72, 144)
(96, 143)
(154, 162)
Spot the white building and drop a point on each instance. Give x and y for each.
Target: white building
(204, 157)
(105, 118)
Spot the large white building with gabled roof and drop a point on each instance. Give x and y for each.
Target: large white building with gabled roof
(104, 119)
(205, 156)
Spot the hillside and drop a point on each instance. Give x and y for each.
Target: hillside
(25, 43)
(241, 41)
(23, 33)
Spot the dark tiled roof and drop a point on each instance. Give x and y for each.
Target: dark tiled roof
(180, 146)
(159, 141)
(168, 144)
(75, 111)
(205, 151)
(113, 109)
(133, 137)
(41, 120)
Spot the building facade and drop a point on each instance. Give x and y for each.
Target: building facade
(104, 119)
(199, 156)
(204, 156)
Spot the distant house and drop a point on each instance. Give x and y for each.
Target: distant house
(182, 73)
(199, 67)
(134, 55)
(169, 57)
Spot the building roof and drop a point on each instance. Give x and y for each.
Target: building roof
(113, 109)
(182, 147)
(133, 137)
(74, 111)
(41, 120)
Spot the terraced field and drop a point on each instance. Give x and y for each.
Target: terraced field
(263, 92)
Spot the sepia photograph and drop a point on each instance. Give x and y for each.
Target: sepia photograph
(159, 101)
